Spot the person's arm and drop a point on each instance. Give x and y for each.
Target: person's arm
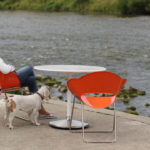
(5, 68)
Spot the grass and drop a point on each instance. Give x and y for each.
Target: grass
(113, 7)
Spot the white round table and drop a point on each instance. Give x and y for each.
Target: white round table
(69, 69)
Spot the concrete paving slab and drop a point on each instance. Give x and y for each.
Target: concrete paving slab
(133, 131)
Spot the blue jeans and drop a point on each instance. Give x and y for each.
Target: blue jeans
(27, 78)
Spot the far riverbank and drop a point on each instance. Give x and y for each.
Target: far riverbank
(111, 7)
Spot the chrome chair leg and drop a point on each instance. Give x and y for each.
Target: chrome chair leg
(115, 123)
(113, 130)
(83, 122)
(83, 128)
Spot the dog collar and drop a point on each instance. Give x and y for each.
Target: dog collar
(42, 97)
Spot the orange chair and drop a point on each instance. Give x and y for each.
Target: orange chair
(87, 88)
(9, 82)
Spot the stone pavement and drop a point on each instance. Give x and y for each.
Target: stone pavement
(133, 131)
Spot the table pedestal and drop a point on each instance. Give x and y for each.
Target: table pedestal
(64, 124)
(69, 69)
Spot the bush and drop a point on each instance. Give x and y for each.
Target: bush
(134, 7)
(137, 6)
(123, 7)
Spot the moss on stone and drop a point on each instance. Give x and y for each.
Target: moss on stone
(62, 88)
(131, 112)
(147, 105)
(48, 81)
(133, 108)
(126, 95)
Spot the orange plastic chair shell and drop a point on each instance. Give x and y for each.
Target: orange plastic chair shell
(98, 102)
(103, 82)
(9, 80)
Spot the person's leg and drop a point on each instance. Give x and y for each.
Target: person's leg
(27, 78)
(42, 111)
(31, 84)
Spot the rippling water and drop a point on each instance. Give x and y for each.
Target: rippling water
(120, 44)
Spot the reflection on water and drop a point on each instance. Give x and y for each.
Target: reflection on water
(119, 44)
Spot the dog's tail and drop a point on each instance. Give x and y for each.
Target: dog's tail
(6, 98)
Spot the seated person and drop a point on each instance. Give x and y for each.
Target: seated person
(27, 79)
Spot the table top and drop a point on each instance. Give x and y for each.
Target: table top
(69, 68)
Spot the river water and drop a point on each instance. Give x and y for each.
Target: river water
(122, 45)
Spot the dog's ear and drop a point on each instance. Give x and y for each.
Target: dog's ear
(47, 92)
(48, 88)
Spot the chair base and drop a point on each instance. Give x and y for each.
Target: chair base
(91, 141)
(107, 131)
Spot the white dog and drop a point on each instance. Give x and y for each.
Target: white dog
(28, 103)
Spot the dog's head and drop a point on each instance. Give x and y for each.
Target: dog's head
(45, 92)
